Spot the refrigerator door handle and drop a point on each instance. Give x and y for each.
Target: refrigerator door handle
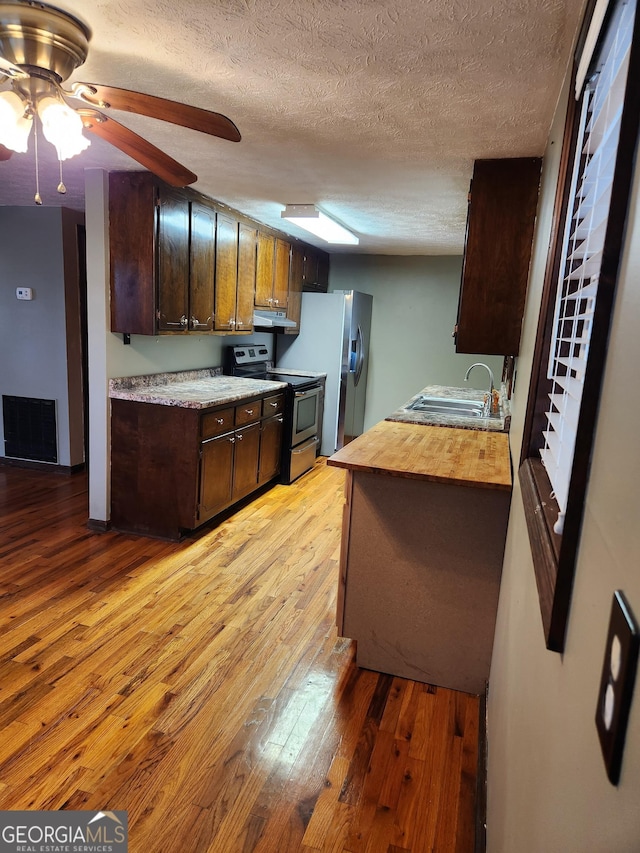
(359, 356)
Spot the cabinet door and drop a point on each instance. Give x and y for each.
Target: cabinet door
(245, 466)
(132, 227)
(173, 262)
(203, 245)
(500, 222)
(266, 247)
(246, 278)
(226, 273)
(294, 301)
(216, 475)
(271, 431)
(281, 275)
(323, 270)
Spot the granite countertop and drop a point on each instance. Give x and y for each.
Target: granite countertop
(476, 458)
(193, 389)
(491, 424)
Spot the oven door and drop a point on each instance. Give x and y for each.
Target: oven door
(306, 404)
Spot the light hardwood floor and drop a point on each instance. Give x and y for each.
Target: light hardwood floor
(201, 685)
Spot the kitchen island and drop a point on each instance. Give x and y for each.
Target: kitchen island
(424, 528)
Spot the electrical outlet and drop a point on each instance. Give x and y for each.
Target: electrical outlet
(616, 684)
(24, 293)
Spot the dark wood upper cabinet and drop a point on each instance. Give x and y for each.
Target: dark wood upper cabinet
(173, 262)
(246, 277)
(226, 272)
(183, 263)
(132, 242)
(500, 223)
(202, 273)
(264, 270)
(315, 270)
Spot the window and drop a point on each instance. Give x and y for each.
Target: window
(591, 205)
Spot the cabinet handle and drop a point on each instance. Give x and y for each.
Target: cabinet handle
(239, 437)
(280, 420)
(232, 439)
(276, 301)
(274, 405)
(232, 322)
(182, 322)
(220, 421)
(249, 411)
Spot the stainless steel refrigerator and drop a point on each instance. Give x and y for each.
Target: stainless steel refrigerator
(335, 329)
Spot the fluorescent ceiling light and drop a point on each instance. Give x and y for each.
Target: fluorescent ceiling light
(308, 216)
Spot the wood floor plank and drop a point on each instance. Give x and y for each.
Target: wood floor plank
(201, 686)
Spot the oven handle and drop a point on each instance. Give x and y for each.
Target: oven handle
(304, 449)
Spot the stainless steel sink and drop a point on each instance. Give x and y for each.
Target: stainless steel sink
(447, 406)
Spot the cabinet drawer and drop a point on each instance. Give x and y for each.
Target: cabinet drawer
(273, 406)
(215, 423)
(248, 412)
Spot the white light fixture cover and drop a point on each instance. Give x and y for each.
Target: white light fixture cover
(62, 127)
(308, 216)
(14, 126)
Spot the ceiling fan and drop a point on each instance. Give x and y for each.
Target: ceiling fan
(40, 47)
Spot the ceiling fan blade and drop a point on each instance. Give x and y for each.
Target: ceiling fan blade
(5, 153)
(10, 70)
(195, 118)
(139, 149)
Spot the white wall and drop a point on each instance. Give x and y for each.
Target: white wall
(547, 787)
(415, 306)
(40, 339)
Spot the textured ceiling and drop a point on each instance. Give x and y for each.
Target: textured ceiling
(372, 109)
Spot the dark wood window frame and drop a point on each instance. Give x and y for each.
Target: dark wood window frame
(554, 555)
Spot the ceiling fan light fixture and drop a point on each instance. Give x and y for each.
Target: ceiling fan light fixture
(313, 220)
(62, 127)
(15, 126)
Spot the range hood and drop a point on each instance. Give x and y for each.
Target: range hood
(272, 320)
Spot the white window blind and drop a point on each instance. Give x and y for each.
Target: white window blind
(583, 243)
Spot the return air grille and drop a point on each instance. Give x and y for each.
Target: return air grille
(30, 428)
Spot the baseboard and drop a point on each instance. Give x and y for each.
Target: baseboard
(98, 526)
(481, 778)
(11, 462)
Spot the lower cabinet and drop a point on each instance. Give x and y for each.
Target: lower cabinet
(245, 464)
(270, 448)
(174, 468)
(216, 475)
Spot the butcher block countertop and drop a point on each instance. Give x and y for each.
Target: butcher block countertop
(416, 451)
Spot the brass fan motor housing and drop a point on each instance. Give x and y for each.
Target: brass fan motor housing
(37, 35)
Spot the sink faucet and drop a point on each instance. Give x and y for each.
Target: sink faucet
(489, 402)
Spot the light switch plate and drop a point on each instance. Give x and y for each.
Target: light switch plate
(616, 684)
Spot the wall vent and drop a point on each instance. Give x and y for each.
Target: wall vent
(30, 428)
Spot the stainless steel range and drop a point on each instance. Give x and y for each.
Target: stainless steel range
(303, 412)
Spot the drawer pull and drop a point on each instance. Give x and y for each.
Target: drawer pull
(220, 421)
(274, 405)
(249, 411)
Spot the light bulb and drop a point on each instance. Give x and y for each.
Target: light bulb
(14, 125)
(62, 127)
